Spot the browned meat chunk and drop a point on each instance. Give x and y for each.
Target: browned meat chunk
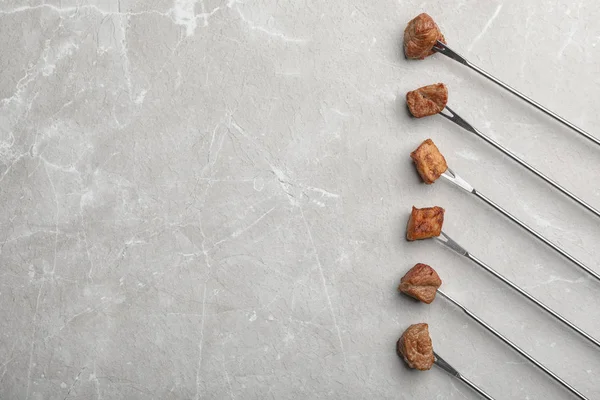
(420, 36)
(420, 282)
(415, 347)
(427, 100)
(430, 163)
(425, 223)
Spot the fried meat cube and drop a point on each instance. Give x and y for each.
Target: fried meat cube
(427, 100)
(420, 282)
(420, 36)
(415, 347)
(430, 163)
(425, 223)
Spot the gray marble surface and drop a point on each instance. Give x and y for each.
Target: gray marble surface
(207, 199)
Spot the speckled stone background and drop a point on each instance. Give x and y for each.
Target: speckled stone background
(207, 199)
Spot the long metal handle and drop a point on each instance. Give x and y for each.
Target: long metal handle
(465, 125)
(537, 235)
(440, 362)
(460, 182)
(447, 51)
(476, 388)
(514, 346)
(447, 241)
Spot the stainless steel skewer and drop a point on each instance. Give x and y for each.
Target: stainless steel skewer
(514, 346)
(460, 182)
(439, 361)
(465, 125)
(448, 52)
(448, 242)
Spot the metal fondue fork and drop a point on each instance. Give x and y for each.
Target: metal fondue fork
(448, 242)
(514, 346)
(448, 52)
(465, 125)
(460, 182)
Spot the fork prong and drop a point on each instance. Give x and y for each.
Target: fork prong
(440, 362)
(441, 47)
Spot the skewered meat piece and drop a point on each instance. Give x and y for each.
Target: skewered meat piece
(430, 163)
(420, 36)
(415, 347)
(420, 282)
(427, 100)
(425, 223)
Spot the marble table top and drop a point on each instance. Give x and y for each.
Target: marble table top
(207, 199)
